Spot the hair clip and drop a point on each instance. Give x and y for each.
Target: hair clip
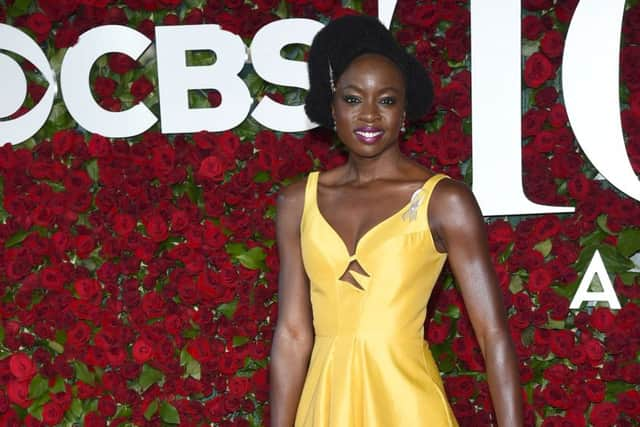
(332, 84)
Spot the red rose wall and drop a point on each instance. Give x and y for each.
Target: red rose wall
(139, 277)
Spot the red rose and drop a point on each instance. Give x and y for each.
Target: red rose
(594, 390)
(52, 414)
(142, 351)
(539, 280)
(594, 350)
(157, 228)
(99, 146)
(537, 70)
(56, 10)
(78, 335)
(87, 288)
(214, 97)
(603, 414)
(537, 4)
(579, 187)
(40, 24)
(120, 63)
(558, 116)
(629, 65)
(438, 332)
(22, 367)
(123, 224)
(211, 168)
(602, 319)
(532, 27)
(629, 403)
(66, 36)
(461, 387)
(546, 97)
(552, 44)
(104, 86)
(532, 122)
(141, 88)
(556, 396)
(18, 393)
(561, 342)
(153, 305)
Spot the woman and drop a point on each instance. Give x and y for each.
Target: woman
(361, 247)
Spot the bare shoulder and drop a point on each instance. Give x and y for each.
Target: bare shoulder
(452, 202)
(290, 202)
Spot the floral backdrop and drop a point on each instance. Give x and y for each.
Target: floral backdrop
(138, 277)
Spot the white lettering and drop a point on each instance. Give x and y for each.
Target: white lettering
(591, 89)
(497, 110)
(608, 294)
(76, 90)
(272, 67)
(175, 78)
(13, 86)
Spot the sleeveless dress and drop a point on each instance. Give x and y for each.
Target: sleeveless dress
(370, 365)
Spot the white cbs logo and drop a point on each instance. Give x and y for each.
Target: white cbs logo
(13, 86)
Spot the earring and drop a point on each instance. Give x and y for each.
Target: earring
(403, 128)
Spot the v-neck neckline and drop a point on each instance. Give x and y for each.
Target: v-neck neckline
(370, 230)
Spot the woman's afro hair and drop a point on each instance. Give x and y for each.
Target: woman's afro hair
(346, 38)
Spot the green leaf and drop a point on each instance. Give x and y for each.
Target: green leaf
(453, 311)
(629, 241)
(235, 249)
(16, 239)
(191, 365)
(83, 373)
(149, 376)
(253, 258)
(92, 169)
(58, 387)
(151, 410)
(614, 261)
(169, 414)
(602, 223)
(544, 247)
(76, 408)
(19, 7)
(38, 387)
(239, 340)
(123, 411)
(57, 347)
(262, 176)
(593, 239)
(1, 334)
(227, 309)
(515, 285)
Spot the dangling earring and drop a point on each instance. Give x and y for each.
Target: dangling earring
(403, 129)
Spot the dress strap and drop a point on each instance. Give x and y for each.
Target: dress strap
(427, 188)
(310, 191)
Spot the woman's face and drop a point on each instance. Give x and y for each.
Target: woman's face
(369, 105)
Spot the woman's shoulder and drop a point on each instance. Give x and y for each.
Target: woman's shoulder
(291, 198)
(452, 202)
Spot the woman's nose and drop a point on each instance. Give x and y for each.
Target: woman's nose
(369, 111)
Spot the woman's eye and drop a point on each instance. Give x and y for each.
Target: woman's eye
(350, 99)
(388, 100)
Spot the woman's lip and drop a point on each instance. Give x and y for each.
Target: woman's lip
(368, 135)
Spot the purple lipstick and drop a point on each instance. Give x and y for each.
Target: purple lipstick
(369, 134)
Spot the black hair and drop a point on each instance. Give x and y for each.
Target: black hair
(343, 40)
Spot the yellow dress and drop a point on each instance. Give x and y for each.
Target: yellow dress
(370, 365)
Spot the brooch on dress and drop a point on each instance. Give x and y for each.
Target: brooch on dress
(412, 211)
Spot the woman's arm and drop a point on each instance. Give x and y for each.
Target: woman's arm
(457, 222)
(293, 337)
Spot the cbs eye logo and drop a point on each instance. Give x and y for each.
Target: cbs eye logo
(13, 86)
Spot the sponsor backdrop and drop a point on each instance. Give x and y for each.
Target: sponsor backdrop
(139, 274)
